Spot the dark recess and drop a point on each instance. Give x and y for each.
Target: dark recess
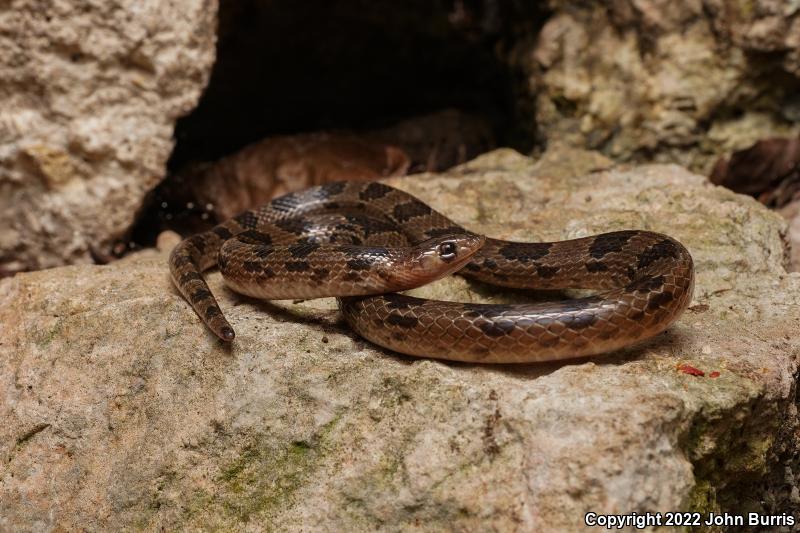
(287, 67)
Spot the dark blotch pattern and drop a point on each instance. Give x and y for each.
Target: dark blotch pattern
(198, 242)
(396, 301)
(407, 211)
(369, 225)
(263, 251)
(596, 266)
(298, 226)
(251, 266)
(359, 264)
(190, 276)
(378, 251)
(199, 295)
(546, 272)
(374, 226)
(254, 237)
(297, 266)
(660, 250)
(441, 232)
(396, 319)
(222, 232)
(320, 274)
(352, 276)
(525, 252)
(303, 249)
(212, 311)
(374, 190)
(181, 260)
(659, 299)
(609, 243)
(647, 284)
(484, 310)
(333, 188)
(247, 220)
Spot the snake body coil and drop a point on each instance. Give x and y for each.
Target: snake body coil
(354, 239)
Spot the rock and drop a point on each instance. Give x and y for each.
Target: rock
(90, 99)
(791, 212)
(645, 80)
(167, 240)
(122, 411)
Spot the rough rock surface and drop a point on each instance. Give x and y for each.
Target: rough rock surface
(791, 213)
(681, 81)
(88, 100)
(121, 411)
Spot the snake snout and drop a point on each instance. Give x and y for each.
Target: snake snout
(466, 245)
(455, 247)
(443, 255)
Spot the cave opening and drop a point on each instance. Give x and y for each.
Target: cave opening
(285, 68)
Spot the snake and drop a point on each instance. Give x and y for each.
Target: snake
(365, 242)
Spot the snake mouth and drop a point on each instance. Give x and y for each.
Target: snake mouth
(441, 256)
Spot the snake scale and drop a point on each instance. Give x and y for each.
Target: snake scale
(362, 242)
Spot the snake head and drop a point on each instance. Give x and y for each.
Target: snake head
(440, 256)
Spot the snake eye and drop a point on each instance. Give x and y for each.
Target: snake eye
(447, 250)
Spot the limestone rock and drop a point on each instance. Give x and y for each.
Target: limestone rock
(88, 101)
(791, 212)
(680, 81)
(122, 412)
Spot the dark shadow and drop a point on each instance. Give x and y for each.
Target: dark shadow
(327, 320)
(286, 67)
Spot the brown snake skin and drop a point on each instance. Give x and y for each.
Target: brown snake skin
(350, 239)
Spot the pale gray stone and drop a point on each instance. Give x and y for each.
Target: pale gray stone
(89, 96)
(669, 81)
(121, 411)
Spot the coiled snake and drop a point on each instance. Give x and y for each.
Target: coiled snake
(351, 240)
